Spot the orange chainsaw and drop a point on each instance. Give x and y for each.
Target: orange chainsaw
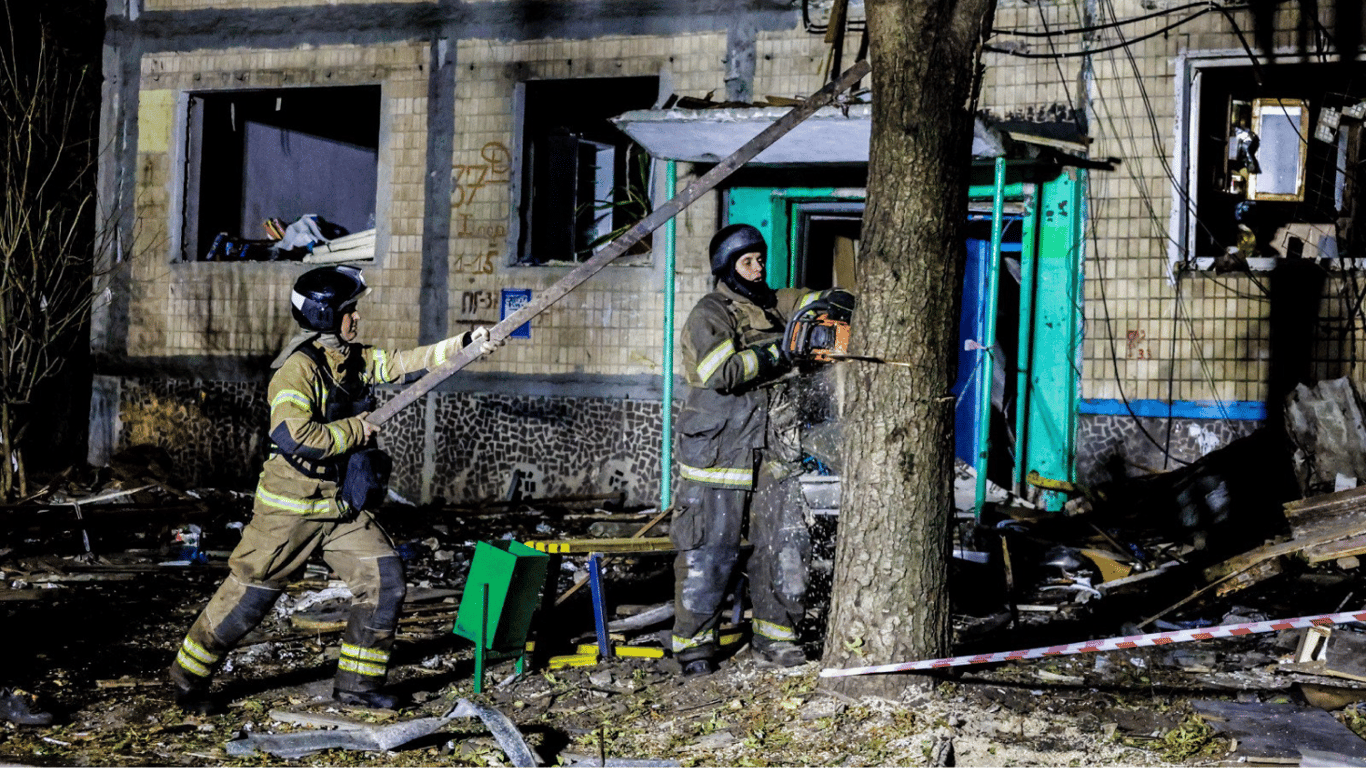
(819, 331)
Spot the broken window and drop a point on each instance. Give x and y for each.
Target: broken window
(583, 181)
(272, 173)
(1274, 163)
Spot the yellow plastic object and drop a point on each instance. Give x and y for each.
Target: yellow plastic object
(574, 660)
(625, 651)
(586, 546)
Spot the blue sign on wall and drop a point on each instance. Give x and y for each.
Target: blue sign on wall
(513, 299)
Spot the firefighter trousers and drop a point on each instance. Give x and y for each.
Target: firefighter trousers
(707, 530)
(273, 547)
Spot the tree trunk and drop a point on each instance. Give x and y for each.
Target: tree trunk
(890, 593)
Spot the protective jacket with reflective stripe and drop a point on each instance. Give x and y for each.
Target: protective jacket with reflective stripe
(298, 424)
(729, 351)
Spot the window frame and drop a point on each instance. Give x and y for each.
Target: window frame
(1184, 219)
(186, 151)
(521, 201)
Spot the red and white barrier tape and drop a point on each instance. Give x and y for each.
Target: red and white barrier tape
(1108, 644)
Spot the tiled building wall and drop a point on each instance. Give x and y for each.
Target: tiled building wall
(1147, 335)
(613, 323)
(610, 326)
(237, 308)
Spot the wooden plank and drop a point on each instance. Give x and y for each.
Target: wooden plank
(1309, 516)
(1256, 572)
(1351, 518)
(1218, 571)
(622, 244)
(1279, 731)
(1354, 545)
(1346, 498)
(1231, 578)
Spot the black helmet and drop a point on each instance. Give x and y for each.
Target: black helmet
(321, 296)
(732, 242)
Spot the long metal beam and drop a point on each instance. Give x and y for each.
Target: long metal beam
(622, 244)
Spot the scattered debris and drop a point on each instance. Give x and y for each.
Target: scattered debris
(366, 737)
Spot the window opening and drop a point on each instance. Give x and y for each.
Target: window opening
(584, 181)
(272, 173)
(1275, 167)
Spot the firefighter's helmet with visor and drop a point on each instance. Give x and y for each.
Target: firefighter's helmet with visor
(321, 297)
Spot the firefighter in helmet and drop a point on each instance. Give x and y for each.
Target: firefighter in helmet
(735, 458)
(318, 487)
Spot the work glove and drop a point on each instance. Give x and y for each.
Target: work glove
(772, 361)
(487, 344)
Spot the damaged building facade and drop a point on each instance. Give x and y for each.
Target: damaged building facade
(467, 152)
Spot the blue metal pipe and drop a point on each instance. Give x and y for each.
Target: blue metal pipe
(988, 369)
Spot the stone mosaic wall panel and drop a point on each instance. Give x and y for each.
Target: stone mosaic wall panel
(1110, 445)
(215, 433)
(557, 445)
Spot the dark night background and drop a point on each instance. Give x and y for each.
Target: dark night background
(74, 31)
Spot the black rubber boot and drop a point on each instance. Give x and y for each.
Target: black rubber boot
(194, 699)
(780, 654)
(19, 707)
(371, 699)
(698, 667)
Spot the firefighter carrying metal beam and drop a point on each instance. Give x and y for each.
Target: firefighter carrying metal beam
(318, 488)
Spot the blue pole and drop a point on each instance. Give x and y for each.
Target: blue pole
(988, 368)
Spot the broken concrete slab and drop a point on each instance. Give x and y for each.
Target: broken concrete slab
(1326, 425)
(1280, 732)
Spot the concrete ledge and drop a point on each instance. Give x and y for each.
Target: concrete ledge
(257, 369)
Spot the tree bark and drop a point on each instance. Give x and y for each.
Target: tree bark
(890, 594)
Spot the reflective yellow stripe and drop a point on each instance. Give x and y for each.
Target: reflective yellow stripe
(190, 665)
(290, 396)
(381, 366)
(715, 359)
(338, 436)
(751, 360)
(807, 298)
(774, 631)
(441, 352)
(197, 651)
(360, 667)
(687, 643)
(729, 476)
(365, 654)
(291, 504)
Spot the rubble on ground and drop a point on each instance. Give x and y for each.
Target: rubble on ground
(105, 572)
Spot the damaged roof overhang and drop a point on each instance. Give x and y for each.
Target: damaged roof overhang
(829, 135)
